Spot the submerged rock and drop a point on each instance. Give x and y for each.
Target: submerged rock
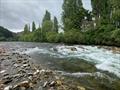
(73, 49)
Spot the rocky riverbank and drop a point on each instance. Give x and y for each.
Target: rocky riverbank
(18, 72)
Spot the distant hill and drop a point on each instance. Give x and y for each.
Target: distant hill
(5, 34)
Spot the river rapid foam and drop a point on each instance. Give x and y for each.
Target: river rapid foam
(102, 58)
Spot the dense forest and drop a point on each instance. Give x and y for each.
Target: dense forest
(101, 26)
(6, 35)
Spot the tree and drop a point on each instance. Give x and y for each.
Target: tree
(116, 18)
(46, 27)
(55, 24)
(33, 26)
(101, 11)
(46, 17)
(115, 12)
(26, 29)
(73, 14)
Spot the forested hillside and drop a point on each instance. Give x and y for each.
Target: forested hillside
(5, 34)
(101, 26)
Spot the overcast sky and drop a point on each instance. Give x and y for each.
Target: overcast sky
(14, 14)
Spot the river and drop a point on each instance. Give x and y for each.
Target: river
(75, 59)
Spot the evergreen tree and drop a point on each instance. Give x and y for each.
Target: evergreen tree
(47, 16)
(73, 14)
(26, 29)
(55, 24)
(33, 26)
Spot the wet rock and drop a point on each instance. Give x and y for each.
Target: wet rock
(30, 78)
(52, 84)
(3, 71)
(73, 49)
(37, 72)
(58, 82)
(19, 61)
(9, 58)
(1, 85)
(5, 74)
(24, 84)
(8, 87)
(45, 84)
(30, 74)
(25, 65)
(16, 65)
(25, 62)
(51, 88)
(40, 88)
(2, 59)
(21, 71)
(17, 75)
(80, 88)
(48, 72)
(42, 71)
(7, 80)
(55, 49)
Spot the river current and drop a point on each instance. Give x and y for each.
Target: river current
(45, 53)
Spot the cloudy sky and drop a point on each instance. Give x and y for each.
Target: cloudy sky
(14, 14)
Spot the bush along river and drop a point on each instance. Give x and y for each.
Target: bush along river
(45, 66)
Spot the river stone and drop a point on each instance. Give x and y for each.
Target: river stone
(40, 88)
(73, 49)
(52, 84)
(80, 88)
(58, 82)
(8, 87)
(7, 79)
(3, 71)
(22, 84)
(45, 84)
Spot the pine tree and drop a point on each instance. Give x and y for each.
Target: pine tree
(47, 17)
(26, 29)
(33, 26)
(55, 24)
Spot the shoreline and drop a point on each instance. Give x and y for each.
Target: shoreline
(17, 71)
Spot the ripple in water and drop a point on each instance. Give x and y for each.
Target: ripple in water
(104, 59)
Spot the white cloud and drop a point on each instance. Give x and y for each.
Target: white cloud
(14, 14)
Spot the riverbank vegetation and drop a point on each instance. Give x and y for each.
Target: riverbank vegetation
(101, 26)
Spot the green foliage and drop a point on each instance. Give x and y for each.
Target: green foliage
(47, 26)
(47, 16)
(73, 14)
(33, 26)
(106, 32)
(52, 37)
(101, 11)
(55, 28)
(72, 36)
(5, 34)
(26, 29)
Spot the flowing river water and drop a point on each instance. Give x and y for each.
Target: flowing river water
(71, 59)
